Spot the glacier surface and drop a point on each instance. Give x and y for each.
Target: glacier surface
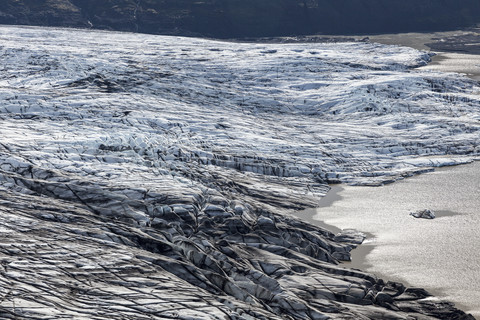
(153, 177)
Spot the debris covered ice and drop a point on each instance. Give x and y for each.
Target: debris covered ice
(154, 177)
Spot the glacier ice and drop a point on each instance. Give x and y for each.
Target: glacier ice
(149, 177)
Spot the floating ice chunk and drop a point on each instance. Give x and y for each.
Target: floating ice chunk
(425, 214)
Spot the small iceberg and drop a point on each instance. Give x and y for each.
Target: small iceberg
(425, 214)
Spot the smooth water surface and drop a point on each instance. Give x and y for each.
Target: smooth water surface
(441, 255)
(468, 64)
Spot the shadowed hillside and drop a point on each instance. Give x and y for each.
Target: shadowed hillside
(246, 18)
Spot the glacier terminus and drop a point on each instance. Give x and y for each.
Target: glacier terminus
(157, 177)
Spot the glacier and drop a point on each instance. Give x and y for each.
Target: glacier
(157, 177)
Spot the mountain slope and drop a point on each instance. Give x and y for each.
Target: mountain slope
(246, 18)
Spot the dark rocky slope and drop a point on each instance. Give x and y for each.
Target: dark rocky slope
(246, 18)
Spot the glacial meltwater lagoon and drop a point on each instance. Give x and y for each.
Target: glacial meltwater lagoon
(468, 64)
(441, 255)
